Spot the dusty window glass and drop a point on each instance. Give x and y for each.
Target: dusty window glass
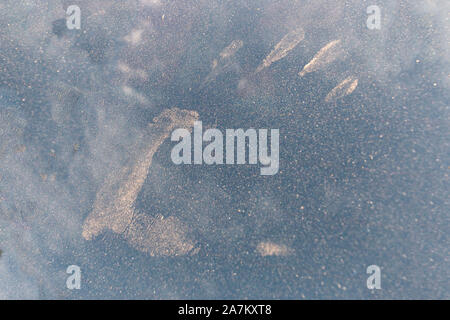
(224, 149)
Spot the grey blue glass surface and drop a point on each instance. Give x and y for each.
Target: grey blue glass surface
(363, 180)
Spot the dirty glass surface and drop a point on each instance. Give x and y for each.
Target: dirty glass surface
(108, 191)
